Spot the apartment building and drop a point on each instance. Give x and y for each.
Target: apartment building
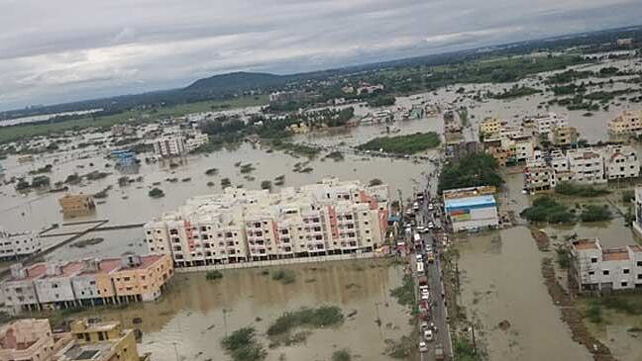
(621, 161)
(96, 340)
(563, 136)
(544, 124)
(490, 127)
(587, 166)
(195, 140)
(87, 340)
(169, 146)
(331, 217)
(539, 178)
(16, 245)
(594, 268)
(626, 123)
(77, 204)
(30, 340)
(127, 279)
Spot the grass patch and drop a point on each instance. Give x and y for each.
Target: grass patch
(579, 190)
(478, 169)
(405, 294)
(213, 275)
(324, 316)
(341, 355)
(285, 276)
(241, 345)
(546, 209)
(595, 213)
(403, 144)
(465, 351)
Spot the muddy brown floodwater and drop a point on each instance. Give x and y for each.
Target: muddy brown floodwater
(196, 313)
(501, 281)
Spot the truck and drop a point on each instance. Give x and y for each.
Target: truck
(439, 352)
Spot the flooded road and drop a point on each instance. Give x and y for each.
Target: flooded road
(501, 281)
(196, 313)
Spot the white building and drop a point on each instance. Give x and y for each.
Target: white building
(544, 124)
(13, 245)
(598, 269)
(330, 217)
(587, 166)
(169, 146)
(539, 178)
(621, 161)
(195, 140)
(471, 208)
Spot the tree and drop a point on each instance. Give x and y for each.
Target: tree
(156, 193)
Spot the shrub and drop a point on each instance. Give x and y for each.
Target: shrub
(595, 213)
(156, 193)
(285, 276)
(213, 275)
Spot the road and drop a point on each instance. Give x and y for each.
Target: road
(437, 312)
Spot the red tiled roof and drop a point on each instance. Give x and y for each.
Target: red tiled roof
(615, 254)
(583, 244)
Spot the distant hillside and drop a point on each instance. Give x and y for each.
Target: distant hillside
(236, 81)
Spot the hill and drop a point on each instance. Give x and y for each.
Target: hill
(236, 81)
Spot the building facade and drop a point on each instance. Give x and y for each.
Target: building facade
(169, 146)
(544, 124)
(76, 204)
(30, 340)
(563, 136)
(239, 225)
(594, 268)
(127, 279)
(470, 209)
(627, 122)
(16, 245)
(621, 161)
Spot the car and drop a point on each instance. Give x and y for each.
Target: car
(423, 347)
(428, 335)
(425, 325)
(419, 257)
(425, 295)
(431, 225)
(430, 207)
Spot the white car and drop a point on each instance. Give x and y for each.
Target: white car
(431, 225)
(428, 335)
(423, 347)
(425, 295)
(430, 207)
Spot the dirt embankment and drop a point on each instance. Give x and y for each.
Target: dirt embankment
(570, 315)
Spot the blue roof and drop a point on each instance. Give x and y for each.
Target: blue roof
(470, 202)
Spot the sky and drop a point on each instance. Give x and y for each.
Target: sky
(68, 50)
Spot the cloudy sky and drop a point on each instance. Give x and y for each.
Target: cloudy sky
(66, 50)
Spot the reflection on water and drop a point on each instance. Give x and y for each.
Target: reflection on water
(501, 280)
(196, 313)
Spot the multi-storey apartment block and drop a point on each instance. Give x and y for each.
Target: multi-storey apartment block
(130, 278)
(15, 245)
(621, 161)
(30, 340)
(544, 124)
(587, 165)
(597, 269)
(626, 123)
(490, 127)
(239, 225)
(169, 146)
(563, 136)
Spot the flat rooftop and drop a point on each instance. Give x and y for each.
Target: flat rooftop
(486, 200)
(585, 244)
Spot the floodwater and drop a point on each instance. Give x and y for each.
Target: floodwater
(617, 334)
(194, 314)
(131, 204)
(501, 281)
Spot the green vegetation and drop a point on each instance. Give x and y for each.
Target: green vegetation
(294, 148)
(595, 213)
(241, 345)
(337, 156)
(266, 184)
(478, 169)
(341, 355)
(213, 275)
(628, 196)
(45, 169)
(546, 209)
(403, 144)
(375, 182)
(579, 190)
(403, 348)
(514, 92)
(629, 304)
(382, 101)
(324, 316)
(211, 171)
(405, 294)
(464, 350)
(563, 256)
(594, 313)
(284, 276)
(156, 193)
(226, 182)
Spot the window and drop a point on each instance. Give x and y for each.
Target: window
(591, 273)
(624, 284)
(593, 259)
(605, 272)
(626, 271)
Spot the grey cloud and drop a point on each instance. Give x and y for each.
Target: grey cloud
(74, 49)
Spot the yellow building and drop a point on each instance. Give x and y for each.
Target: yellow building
(76, 204)
(100, 341)
(564, 136)
(627, 122)
(490, 126)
